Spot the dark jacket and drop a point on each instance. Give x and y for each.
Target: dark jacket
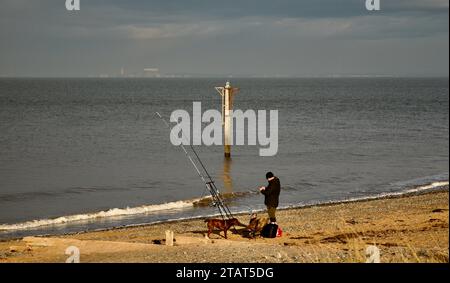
(271, 193)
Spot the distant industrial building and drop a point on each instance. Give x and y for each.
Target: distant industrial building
(151, 73)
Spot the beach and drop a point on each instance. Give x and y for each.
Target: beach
(409, 228)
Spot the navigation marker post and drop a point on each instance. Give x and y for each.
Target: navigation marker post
(227, 92)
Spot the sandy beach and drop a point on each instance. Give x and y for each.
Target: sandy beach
(412, 228)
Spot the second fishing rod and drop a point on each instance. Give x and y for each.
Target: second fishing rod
(209, 182)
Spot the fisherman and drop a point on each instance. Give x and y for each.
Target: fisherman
(271, 194)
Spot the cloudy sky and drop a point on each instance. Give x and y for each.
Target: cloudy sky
(233, 37)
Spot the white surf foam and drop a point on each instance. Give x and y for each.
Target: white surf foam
(114, 212)
(413, 190)
(417, 189)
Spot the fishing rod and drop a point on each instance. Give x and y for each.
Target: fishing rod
(218, 202)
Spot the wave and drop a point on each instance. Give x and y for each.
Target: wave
(417, 189)
(413, 190)
(114, 212)
(117, 212)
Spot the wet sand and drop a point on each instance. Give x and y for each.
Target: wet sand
(412, 228)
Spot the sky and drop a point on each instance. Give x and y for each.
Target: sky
(300, 38)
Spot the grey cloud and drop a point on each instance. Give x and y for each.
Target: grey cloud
(224, 36)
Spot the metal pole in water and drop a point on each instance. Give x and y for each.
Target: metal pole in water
(227, 92)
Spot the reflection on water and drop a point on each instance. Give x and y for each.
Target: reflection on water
(226, 177)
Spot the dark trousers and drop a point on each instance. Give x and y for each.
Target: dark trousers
(271, 211)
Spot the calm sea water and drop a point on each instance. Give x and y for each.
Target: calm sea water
(79, 146)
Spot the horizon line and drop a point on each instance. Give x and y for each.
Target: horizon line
(227, 77)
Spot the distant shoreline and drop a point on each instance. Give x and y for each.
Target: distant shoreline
(236, 77)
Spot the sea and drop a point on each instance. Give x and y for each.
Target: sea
(82, 154)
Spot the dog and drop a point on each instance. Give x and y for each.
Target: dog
(222, 225)
(256, 224)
